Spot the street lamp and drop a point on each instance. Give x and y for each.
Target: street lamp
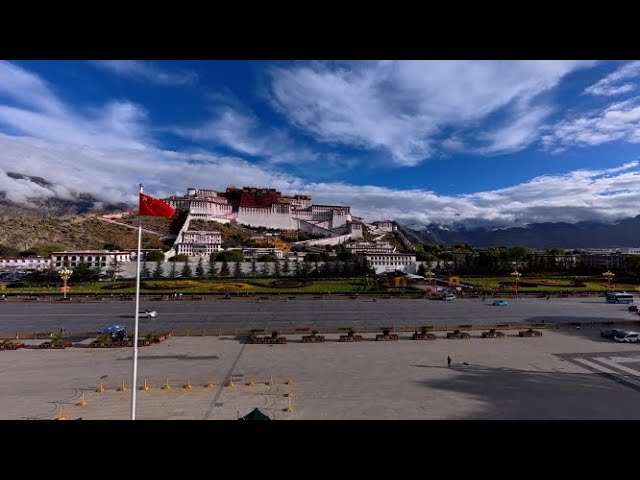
(430, 276)
(516, 276)
(609, 276)
(65, 273)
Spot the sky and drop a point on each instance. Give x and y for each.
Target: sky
(478, 143)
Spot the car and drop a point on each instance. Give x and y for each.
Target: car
(633, 308)
(500, 303)
(448, 297)
(149, 314)
(627, 337)
(610, 333)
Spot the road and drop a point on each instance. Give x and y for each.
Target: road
(240, 313)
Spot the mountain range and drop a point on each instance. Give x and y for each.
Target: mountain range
(623, 233)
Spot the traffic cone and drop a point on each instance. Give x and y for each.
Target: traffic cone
(82, 401)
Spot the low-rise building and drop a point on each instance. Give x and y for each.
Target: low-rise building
(389, 262)
(24, 263)
(198, 243)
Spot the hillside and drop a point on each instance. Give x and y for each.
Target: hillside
(24, 233)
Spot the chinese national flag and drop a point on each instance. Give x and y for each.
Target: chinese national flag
(155, 207)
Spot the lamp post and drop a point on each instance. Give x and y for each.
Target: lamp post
(65, 273)
(609, 276)
(516, 276)
(430, 276)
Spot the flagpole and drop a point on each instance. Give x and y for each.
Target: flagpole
(134, 383)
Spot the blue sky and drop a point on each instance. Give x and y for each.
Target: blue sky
(479, 142)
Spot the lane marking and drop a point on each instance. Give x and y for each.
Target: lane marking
(611, 363)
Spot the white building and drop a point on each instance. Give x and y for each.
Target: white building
(26, 263)
(369, 247)
(389, 262)
(266, 207)
(197, 243)
(385, 226)
(101, 260)
(251, 253)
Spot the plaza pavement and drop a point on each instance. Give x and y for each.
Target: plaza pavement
(565, 374)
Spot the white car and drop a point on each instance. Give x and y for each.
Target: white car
(149, 314)
(448, 298)
(627, 337)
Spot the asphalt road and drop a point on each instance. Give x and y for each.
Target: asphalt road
(240, 313)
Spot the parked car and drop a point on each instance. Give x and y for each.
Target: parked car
(500, 303)
(449, 297)
(610, 333)
(633, 308)
(627, 337)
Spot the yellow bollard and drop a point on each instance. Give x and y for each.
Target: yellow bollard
(122, 388)
(270, 381)
(100, 388)
(209, 385)
(288, 409)
(166, 386)
(188, 385)
(82, 401)
(289, 382)
(145, 387)
(230, 383)
(60, 414)
(251, 383)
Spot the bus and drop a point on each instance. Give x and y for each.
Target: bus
(619, 297)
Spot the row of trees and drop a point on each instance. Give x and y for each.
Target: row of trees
(265, 269)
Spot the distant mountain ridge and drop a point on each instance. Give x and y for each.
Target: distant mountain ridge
(624, 233)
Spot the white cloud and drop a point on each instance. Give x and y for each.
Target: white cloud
(611, 84)
(147, 72)
(401, 106)
(243, 133)
(112, 175)
(620, 121)
(39, 113)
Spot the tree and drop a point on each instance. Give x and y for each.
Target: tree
(158, 272)
(312, 257)
(116, 267)
(264, 271)
(200, 269)
(224, 270)
(286, 268)
(180, 258)
(422, 271)
(213, 271)
(517, 253)
(276, 271)
(144, 271)
(230, 256)
(237, 269)
(154, 256)
(81, 272)
(186, 270)
(172, 272)
(254, 270)
(111, 247)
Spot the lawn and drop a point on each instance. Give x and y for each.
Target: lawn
(548, 284)
(261, 285)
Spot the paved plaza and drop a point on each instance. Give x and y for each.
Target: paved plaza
(565, 374)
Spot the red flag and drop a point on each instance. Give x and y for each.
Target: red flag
(155, 207)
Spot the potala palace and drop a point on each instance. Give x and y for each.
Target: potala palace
(266, 207)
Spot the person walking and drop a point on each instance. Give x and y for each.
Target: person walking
(448, 361)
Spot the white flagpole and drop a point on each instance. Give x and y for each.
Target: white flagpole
(134, 383)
